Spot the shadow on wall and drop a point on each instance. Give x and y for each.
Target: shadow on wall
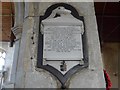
(110, 52)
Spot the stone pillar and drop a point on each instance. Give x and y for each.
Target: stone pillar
(93, 76)
(29, 76)
(26, 75)
(17, 30)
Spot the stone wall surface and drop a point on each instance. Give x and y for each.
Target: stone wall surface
(28, 76)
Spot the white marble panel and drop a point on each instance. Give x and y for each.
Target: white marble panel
(63, 43)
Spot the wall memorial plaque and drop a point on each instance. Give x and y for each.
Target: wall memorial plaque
(61, 48)
(62, 43)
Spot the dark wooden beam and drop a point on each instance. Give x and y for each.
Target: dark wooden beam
(108, 20)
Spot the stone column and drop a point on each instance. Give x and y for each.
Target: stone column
(93, 76)
(17, 30)
(28, 76)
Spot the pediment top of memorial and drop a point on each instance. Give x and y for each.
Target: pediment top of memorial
(64, 17)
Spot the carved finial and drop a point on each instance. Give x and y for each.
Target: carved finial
(62, 11)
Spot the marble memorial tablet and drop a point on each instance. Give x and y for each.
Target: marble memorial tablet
(62, 43)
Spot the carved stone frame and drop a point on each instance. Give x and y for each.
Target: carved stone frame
(62, 78)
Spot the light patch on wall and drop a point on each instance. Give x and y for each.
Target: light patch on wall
(2, 60)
